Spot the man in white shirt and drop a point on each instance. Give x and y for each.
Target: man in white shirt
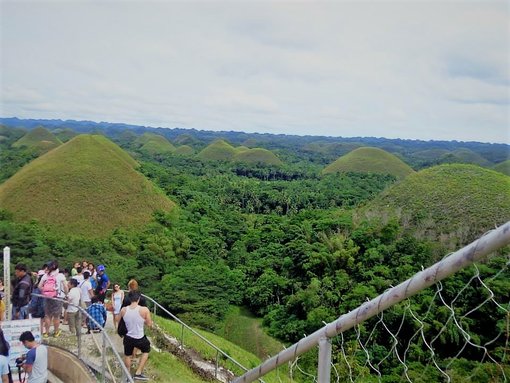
(74, 298)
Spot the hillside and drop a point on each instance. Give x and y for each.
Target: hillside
(40, 139)
(219, 150)
(88, 186)
(447, 202)
(155, 144)
(256, 156)
(464, 156)
(370, 160)
(503, 167)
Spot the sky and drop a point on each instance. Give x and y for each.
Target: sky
(430, 70)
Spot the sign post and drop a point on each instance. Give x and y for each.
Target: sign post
(7, 282)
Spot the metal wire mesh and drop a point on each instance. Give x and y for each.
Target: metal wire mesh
(456, 331)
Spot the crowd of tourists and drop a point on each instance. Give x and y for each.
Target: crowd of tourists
(55, 296)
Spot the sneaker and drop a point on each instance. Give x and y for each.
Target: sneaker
(140, 377)
(57, 333)
(45, 335)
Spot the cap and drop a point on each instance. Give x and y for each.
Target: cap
(100, 268)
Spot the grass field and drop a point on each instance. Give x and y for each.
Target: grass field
(40, 139)
(219, 150)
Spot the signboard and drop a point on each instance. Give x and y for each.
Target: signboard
(12, 330)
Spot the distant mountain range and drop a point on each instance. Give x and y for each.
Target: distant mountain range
(317, 148)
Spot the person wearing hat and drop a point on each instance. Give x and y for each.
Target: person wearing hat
(103, 282)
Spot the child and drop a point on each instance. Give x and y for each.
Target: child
(97, 311)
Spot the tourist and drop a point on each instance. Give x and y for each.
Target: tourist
(103, 282)
(36, 360)
(73, 312)
(21, 292)
(53, 285)
(97, 311)
(117, 299)
(135, 317)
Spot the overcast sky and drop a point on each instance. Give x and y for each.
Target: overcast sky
(407, 69)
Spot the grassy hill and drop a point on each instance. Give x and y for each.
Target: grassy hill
(452, 203)
(464, 156)
(256, 156)
(503, 167)
(155, 144)
(88, 186)
(184, 150)
(370, 160)
(64, 134)
(40, 139)
(219, 150)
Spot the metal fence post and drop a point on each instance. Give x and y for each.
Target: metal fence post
(79, 333)
(7, 283)
(182, 336)
(324, 368)
(103, 367)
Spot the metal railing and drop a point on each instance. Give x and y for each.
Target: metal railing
(218, 351)
(462, 258)
(106, 345)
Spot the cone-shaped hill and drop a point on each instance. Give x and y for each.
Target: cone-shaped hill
(370, 160)
(452, 203)
(503, 167)
(184, 150)
(257, 156)
(87, 186)
(40, 139)
(219, 150)
(154, 144)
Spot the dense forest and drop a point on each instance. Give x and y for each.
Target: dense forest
(279, 240)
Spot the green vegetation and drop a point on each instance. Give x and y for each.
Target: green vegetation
(64, 134)
(291, 246)
(39, 139)
(464, 156)
(370, 160)
(244, 329)
(184, 150)
(88, 186)
(257, 156)
(219, 150)
(503, 167)
(454, 203)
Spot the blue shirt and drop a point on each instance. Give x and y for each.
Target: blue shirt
(98, 312)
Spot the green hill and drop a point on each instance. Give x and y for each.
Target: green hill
(184, 150)
(154, 144)
(257, 156)
(40, 139)
(430, 154)
(464, 156)
(503, 167)
(452, 203)
(370, 160)
(88, 186)
(219, 150)
(64, 134)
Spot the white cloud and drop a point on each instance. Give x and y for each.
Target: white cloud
(421, 69)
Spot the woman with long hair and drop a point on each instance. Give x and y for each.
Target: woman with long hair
(117, 299)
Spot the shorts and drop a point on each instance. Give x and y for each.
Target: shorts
(143, 344)
(53, 308)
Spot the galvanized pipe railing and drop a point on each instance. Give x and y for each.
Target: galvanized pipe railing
(464, 257)
(126, 375)
(208, 342)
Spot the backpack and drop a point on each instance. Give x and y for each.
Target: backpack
(49, 287)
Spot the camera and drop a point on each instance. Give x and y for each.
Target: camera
(19, 361)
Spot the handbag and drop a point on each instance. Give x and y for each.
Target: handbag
(121, 328)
